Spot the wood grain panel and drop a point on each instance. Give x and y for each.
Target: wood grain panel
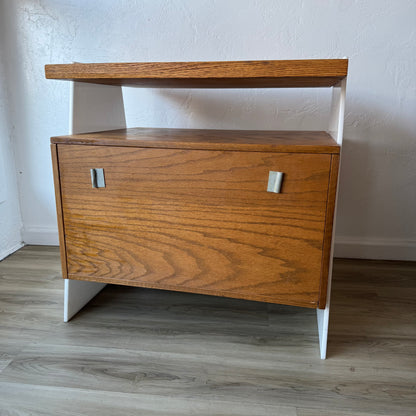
(231, 74)
(57, 185)
(329, 222)
(198, 221)
(202, 139)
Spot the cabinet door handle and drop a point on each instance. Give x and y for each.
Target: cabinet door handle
(275, 182)
(97, 178)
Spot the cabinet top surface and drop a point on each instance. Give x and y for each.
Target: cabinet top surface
(228, 74)
(198, 139)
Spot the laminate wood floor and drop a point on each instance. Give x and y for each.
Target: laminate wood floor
(145, 352)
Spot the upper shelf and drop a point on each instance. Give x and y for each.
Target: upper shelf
(231, 74)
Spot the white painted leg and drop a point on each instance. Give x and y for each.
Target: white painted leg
(336, 126)
(323, 321)
(323, 314)
(92, 108)
(77, 294)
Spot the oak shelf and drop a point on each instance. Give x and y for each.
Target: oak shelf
(207, 139)
(232, 74)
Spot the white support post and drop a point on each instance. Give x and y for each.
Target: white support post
(336, 121)
(93, 107)
(336, 125)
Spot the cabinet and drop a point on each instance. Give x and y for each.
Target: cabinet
(242, 214)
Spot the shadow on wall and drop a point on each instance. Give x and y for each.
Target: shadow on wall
(377, 193)
(27, 89)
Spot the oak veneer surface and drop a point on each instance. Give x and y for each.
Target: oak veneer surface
(230, 74)
(135, 351)
(58, 200)
(328, 232)
(243, 140)
(198, 221)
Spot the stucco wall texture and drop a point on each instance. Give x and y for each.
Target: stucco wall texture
(377, 189)
(10, 218)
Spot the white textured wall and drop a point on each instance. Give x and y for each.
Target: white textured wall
(378, 192)
(10, 218)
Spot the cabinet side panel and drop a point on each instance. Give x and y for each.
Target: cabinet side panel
(57, 183)
(328, 233)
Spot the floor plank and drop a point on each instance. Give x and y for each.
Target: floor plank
(53, 401)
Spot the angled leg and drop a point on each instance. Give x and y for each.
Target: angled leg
(92, 108)
(336, 125)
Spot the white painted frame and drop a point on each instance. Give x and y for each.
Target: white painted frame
(93, 107)
(335, 129)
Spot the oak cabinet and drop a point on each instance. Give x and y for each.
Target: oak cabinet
(242, 214)
(199, 220)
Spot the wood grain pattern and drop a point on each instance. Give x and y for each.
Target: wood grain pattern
(137, 351)
(329, 221)
(203, 139)
(231, 74)
(51, 400)
(60, 218)
(198, 221)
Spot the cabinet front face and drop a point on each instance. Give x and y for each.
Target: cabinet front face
(196, 220)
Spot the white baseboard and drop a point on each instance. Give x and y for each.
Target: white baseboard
(345, 247)
(42, 236)
(375, 248)
(5, 253)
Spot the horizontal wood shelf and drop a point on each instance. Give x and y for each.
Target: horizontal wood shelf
(231, 74)
(202, 139)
